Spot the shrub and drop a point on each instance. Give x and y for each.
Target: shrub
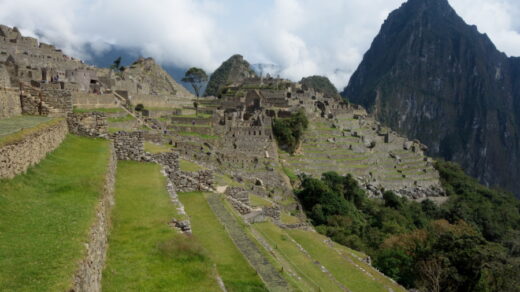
(289, 131)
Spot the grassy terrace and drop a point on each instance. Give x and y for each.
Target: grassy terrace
(46, 213)
(155, 148)
(189, 166)
(101, 110)
(145, 254)
(12, 125)
(235, 271)
(343, 263)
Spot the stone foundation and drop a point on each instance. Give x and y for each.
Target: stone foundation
(88, 276)
(17, 157)
(129, 146)
(88, 124)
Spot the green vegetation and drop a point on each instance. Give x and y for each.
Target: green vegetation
(321, 84)
(145, 254)
(189, 166)
(156, 148)
(121, 119)
(471, 243)
(235, 271)
(204, 136)
(344, 264)
(257, 201)
(12, 125)
(199, 115)
(46, 214)
(289, 131)
(298, 261)
(100, 110)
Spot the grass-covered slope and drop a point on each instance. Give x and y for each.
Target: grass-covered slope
(46, 213)
(235, 271)
(145, 254)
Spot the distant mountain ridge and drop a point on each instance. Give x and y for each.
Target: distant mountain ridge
(431, 76)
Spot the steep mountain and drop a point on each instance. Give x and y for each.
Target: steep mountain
(431, 76)
(321, 84)
(234, 70)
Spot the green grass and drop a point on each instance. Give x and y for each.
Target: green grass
(191, 125)
(341, 264)
(145, 254)
(235, 271)
(115, 130)
(189, 166)
(193, 134)
(290, 174)
(257, 201)
(46, 214)
(289, 219)
(156, 148)
(101, 110)
(14, 124)
(126, 118)
(303, 265)
(200, 115)
(225, 180)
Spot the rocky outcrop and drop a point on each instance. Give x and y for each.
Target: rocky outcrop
(432, 77)
(17, 156)
(89, 273)
(234, 70)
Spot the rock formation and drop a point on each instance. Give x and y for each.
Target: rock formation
(431, 76)
(234, 70)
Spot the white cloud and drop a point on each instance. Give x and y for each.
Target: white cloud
(304, 37)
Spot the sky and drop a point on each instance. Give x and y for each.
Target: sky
(302, 37)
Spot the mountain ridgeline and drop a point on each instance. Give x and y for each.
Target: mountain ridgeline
(432, 77)
(235, 69)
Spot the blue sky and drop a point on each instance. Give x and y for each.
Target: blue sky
(303, 37)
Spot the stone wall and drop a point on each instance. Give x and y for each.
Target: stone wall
(193, 181)
(18, 156)
(9, 103)
(129, 145)
(88, 276)
(88, 124)
(89, 100)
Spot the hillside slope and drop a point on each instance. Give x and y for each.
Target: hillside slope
(431, 76)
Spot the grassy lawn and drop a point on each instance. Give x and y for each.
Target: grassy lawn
(303, 265)
(121, 119)
(100, 110)
(156, 148)
(235, 271)
(45, 216)
(341, 264)
(257, 201)
(15, 124)
(200, 115)
(189, 166)
(145, 254)
(204, 136)
(287, 218)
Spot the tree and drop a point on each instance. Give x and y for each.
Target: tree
(116, 66)
(197, 78)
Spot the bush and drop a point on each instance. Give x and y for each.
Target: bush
(288, 132)
(139, 107)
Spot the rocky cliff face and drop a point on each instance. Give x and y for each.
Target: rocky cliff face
(234, 70)
(431, 76)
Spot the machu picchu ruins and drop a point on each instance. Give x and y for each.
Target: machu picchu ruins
(123, 178)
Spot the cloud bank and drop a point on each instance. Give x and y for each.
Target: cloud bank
(303, 37)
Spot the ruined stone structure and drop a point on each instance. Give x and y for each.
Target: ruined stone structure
(88, 124)
(129, 146)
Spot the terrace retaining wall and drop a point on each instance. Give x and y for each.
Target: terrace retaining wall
(17, 157)
(90, 271)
